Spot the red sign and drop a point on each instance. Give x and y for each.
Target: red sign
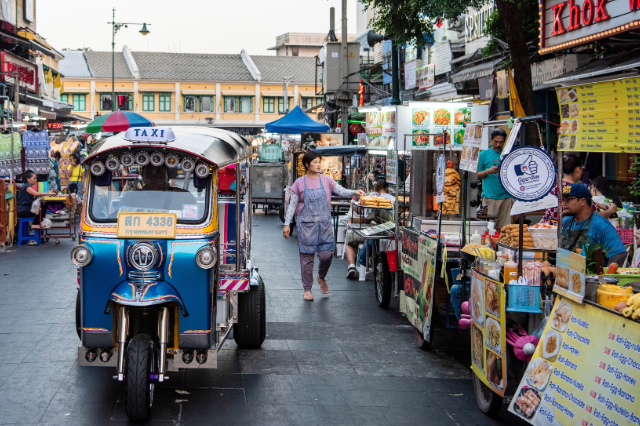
(54, 126)
(569, 23)
(27, 71)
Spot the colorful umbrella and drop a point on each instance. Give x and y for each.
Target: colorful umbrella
(117, 121)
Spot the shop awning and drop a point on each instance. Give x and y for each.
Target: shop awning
(73, 117)
(238, 92)
(439, 92)
(198, 92)
(274, 93)
(623, 62)
(339, 151)
(294, 123)
(48, 115)
(37, 46)
(157, 89)
(78, 89)
(478, 71)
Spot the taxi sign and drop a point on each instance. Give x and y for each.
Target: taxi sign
(147, 225)
(150, 134)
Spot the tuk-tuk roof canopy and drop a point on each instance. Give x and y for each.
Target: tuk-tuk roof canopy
(216, 146)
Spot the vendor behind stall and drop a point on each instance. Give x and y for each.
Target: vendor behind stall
(494, 196)
(582, 226)
(27, 196)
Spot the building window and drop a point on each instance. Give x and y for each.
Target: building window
(164, 101)
(230, 104)
(125, 101)
(190, 104)
(105, 102)
(64, 98)
(281, 109)
(268, 104)
(318, 101)
(79, 102)
(307, 103)
(246, 104)
(148, 102)
(206, 104)
(295, 50)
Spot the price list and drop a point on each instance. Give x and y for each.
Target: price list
(585, 371)
(603, 117)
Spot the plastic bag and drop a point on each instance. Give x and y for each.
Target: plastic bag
(35, 206)
(46, 223)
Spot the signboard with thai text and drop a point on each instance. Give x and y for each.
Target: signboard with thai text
(569, 23)
(27, 71)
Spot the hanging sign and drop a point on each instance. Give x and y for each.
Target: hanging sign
(440, 176)
(527, 174)
(511, 140)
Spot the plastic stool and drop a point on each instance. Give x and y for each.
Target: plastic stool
(23, 231)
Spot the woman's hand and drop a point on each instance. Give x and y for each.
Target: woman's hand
(286, 232)
(359, 193)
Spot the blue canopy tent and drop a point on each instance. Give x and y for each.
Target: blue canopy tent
(295, 122)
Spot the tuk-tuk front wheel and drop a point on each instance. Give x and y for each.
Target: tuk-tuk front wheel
(250, 330)
(138, 390)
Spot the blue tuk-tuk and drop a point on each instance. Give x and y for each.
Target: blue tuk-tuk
(164, 266)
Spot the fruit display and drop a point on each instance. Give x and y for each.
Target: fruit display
(633, 307)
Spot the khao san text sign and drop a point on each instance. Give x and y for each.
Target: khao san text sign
(569, 23)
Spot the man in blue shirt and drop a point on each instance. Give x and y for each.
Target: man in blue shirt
(582, 224)
(494, 197)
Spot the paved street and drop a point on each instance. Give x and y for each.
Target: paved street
(339, 360)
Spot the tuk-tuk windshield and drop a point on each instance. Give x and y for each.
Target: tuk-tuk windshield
(149, 189)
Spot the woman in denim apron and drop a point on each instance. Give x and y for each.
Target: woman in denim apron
(311, 197)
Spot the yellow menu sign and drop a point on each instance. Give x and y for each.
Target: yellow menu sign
(147, 225)
(585, 370)
(601, 117)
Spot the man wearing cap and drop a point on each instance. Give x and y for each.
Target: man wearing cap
(494, 197)
(580, 225)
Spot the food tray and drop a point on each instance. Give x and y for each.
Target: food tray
(357, 204)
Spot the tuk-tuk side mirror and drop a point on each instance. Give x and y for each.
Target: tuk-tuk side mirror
(199, 183)
(104, 179)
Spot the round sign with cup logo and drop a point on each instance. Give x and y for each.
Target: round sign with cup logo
(527, 174)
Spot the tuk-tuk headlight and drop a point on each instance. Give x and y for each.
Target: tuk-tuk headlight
(81, 255)
(206, 257)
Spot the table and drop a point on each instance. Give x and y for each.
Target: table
(45, 233)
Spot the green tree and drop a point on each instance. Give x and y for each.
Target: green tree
(412, 22)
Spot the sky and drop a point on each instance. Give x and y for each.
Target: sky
(186, 26)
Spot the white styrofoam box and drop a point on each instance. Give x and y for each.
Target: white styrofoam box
(451, 226)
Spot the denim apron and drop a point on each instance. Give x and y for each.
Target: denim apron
(315, 232)
(575, 239)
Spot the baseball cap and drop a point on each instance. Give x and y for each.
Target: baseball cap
(577, 190)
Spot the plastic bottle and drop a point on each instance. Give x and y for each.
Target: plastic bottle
(510, 271)
(495, 238)
(476, 238)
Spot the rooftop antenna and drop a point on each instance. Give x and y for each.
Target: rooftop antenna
(332, 24)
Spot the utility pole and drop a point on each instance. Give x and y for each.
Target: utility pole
(285, 106)
(344, 67)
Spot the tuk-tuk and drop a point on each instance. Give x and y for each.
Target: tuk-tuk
(164, 269)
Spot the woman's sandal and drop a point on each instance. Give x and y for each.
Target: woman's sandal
(308, 296)
(324, 288)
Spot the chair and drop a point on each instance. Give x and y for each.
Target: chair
(23, 231)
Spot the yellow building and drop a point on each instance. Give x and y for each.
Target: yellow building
(221, 90)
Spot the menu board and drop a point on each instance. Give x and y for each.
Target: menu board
(392, 166)
(380, 128)
(376, 229)
(437, 121)
(488, 332)
(584, 370)
(471, 147)
(602, 117)
(570, 275)
(419, 267)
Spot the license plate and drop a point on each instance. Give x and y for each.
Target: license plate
(147, 225)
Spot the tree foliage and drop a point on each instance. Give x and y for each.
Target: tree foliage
(411, 22)
(494, 27)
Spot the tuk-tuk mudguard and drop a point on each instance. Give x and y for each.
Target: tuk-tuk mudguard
(178, 279)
